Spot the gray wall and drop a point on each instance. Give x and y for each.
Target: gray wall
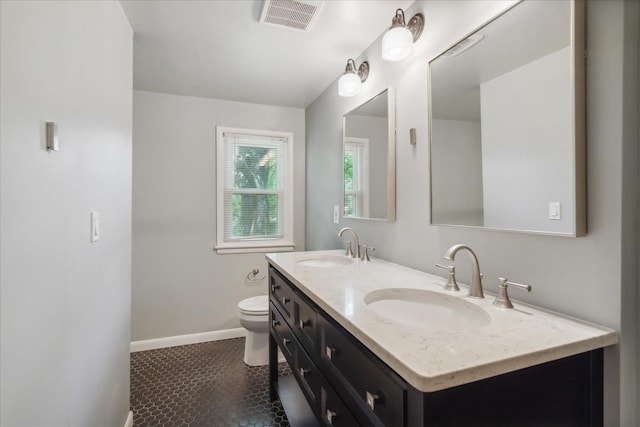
(65, 301)
(180, 285)
(633, 13)
(526, 154)
(457, 190)
(584, 277)
(630, 188)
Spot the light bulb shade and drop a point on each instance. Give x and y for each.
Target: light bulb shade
(349, 84)
(397, 44)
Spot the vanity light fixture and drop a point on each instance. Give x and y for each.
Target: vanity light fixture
(397, 43)
(350, 83)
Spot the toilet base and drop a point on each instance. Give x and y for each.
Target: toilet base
(256, 349)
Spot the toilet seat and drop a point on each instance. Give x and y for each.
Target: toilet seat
(254, 306)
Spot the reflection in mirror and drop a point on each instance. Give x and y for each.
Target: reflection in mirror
(507, 123)
(369, 159)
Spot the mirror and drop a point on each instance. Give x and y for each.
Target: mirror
(369, 159)
(507, 123)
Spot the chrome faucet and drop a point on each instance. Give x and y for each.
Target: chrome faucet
(356, 251)
(475, 289)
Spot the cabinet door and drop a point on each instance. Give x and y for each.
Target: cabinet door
(282, 293)
(308, 375)
(305, 328)
(332, 411)
(284, 335)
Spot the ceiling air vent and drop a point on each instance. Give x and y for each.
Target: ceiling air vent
(297, 14)
(464, 45)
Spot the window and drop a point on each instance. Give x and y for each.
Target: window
(356, 177)
(254, 190)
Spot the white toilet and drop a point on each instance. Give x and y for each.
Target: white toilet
(254, 317)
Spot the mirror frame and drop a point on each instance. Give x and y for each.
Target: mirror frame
(578, 125)
(391, 156)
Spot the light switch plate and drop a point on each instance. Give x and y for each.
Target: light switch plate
(554, 210)
(52, 136)
(336, 214)
(95, 226)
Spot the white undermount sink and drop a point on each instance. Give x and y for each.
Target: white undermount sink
(427, 309)
(324, 261)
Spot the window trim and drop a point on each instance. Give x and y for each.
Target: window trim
(364, 167)
(286, 243)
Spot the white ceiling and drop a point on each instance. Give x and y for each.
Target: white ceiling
(218, 49)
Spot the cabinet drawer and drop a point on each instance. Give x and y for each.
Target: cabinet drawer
(365, 377)
(306, 328)
(283, 335)
(281, 293)
(332, 411)
(308, 376)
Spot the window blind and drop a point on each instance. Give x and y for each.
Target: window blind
(254, 186)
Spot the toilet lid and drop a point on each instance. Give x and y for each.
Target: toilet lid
(255, 305)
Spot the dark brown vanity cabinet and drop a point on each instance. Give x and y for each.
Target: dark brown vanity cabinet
(342, 383)
(296, 332)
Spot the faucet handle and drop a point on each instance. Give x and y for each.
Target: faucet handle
(348, 246)
(451, 285)
(365, 252)
(502, 299)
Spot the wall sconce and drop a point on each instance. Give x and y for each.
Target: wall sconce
(350, 83)
(397, 43)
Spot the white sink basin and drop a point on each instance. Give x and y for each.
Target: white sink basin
(427, 309)
(324, 261)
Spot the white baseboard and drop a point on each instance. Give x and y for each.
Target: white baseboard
(129, 422)
(187, 339)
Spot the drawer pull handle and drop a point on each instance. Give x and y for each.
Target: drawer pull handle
(275, 322)
(304, 372)
(285, 300)
(286, 342)
(304, 323)
(330, 352)
(371, 400)
(274, 287)
(330, 416)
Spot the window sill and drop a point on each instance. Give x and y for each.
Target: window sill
(226, 250)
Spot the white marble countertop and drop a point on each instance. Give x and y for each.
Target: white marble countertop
(427, 358)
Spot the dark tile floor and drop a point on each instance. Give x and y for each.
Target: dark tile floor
(204, 384)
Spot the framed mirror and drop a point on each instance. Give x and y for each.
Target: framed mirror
(369, 159)
(507, 123)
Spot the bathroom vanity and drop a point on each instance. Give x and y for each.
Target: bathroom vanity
(377, 344)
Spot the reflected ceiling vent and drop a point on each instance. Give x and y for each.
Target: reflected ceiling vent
(465, 44)
(297, 14)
